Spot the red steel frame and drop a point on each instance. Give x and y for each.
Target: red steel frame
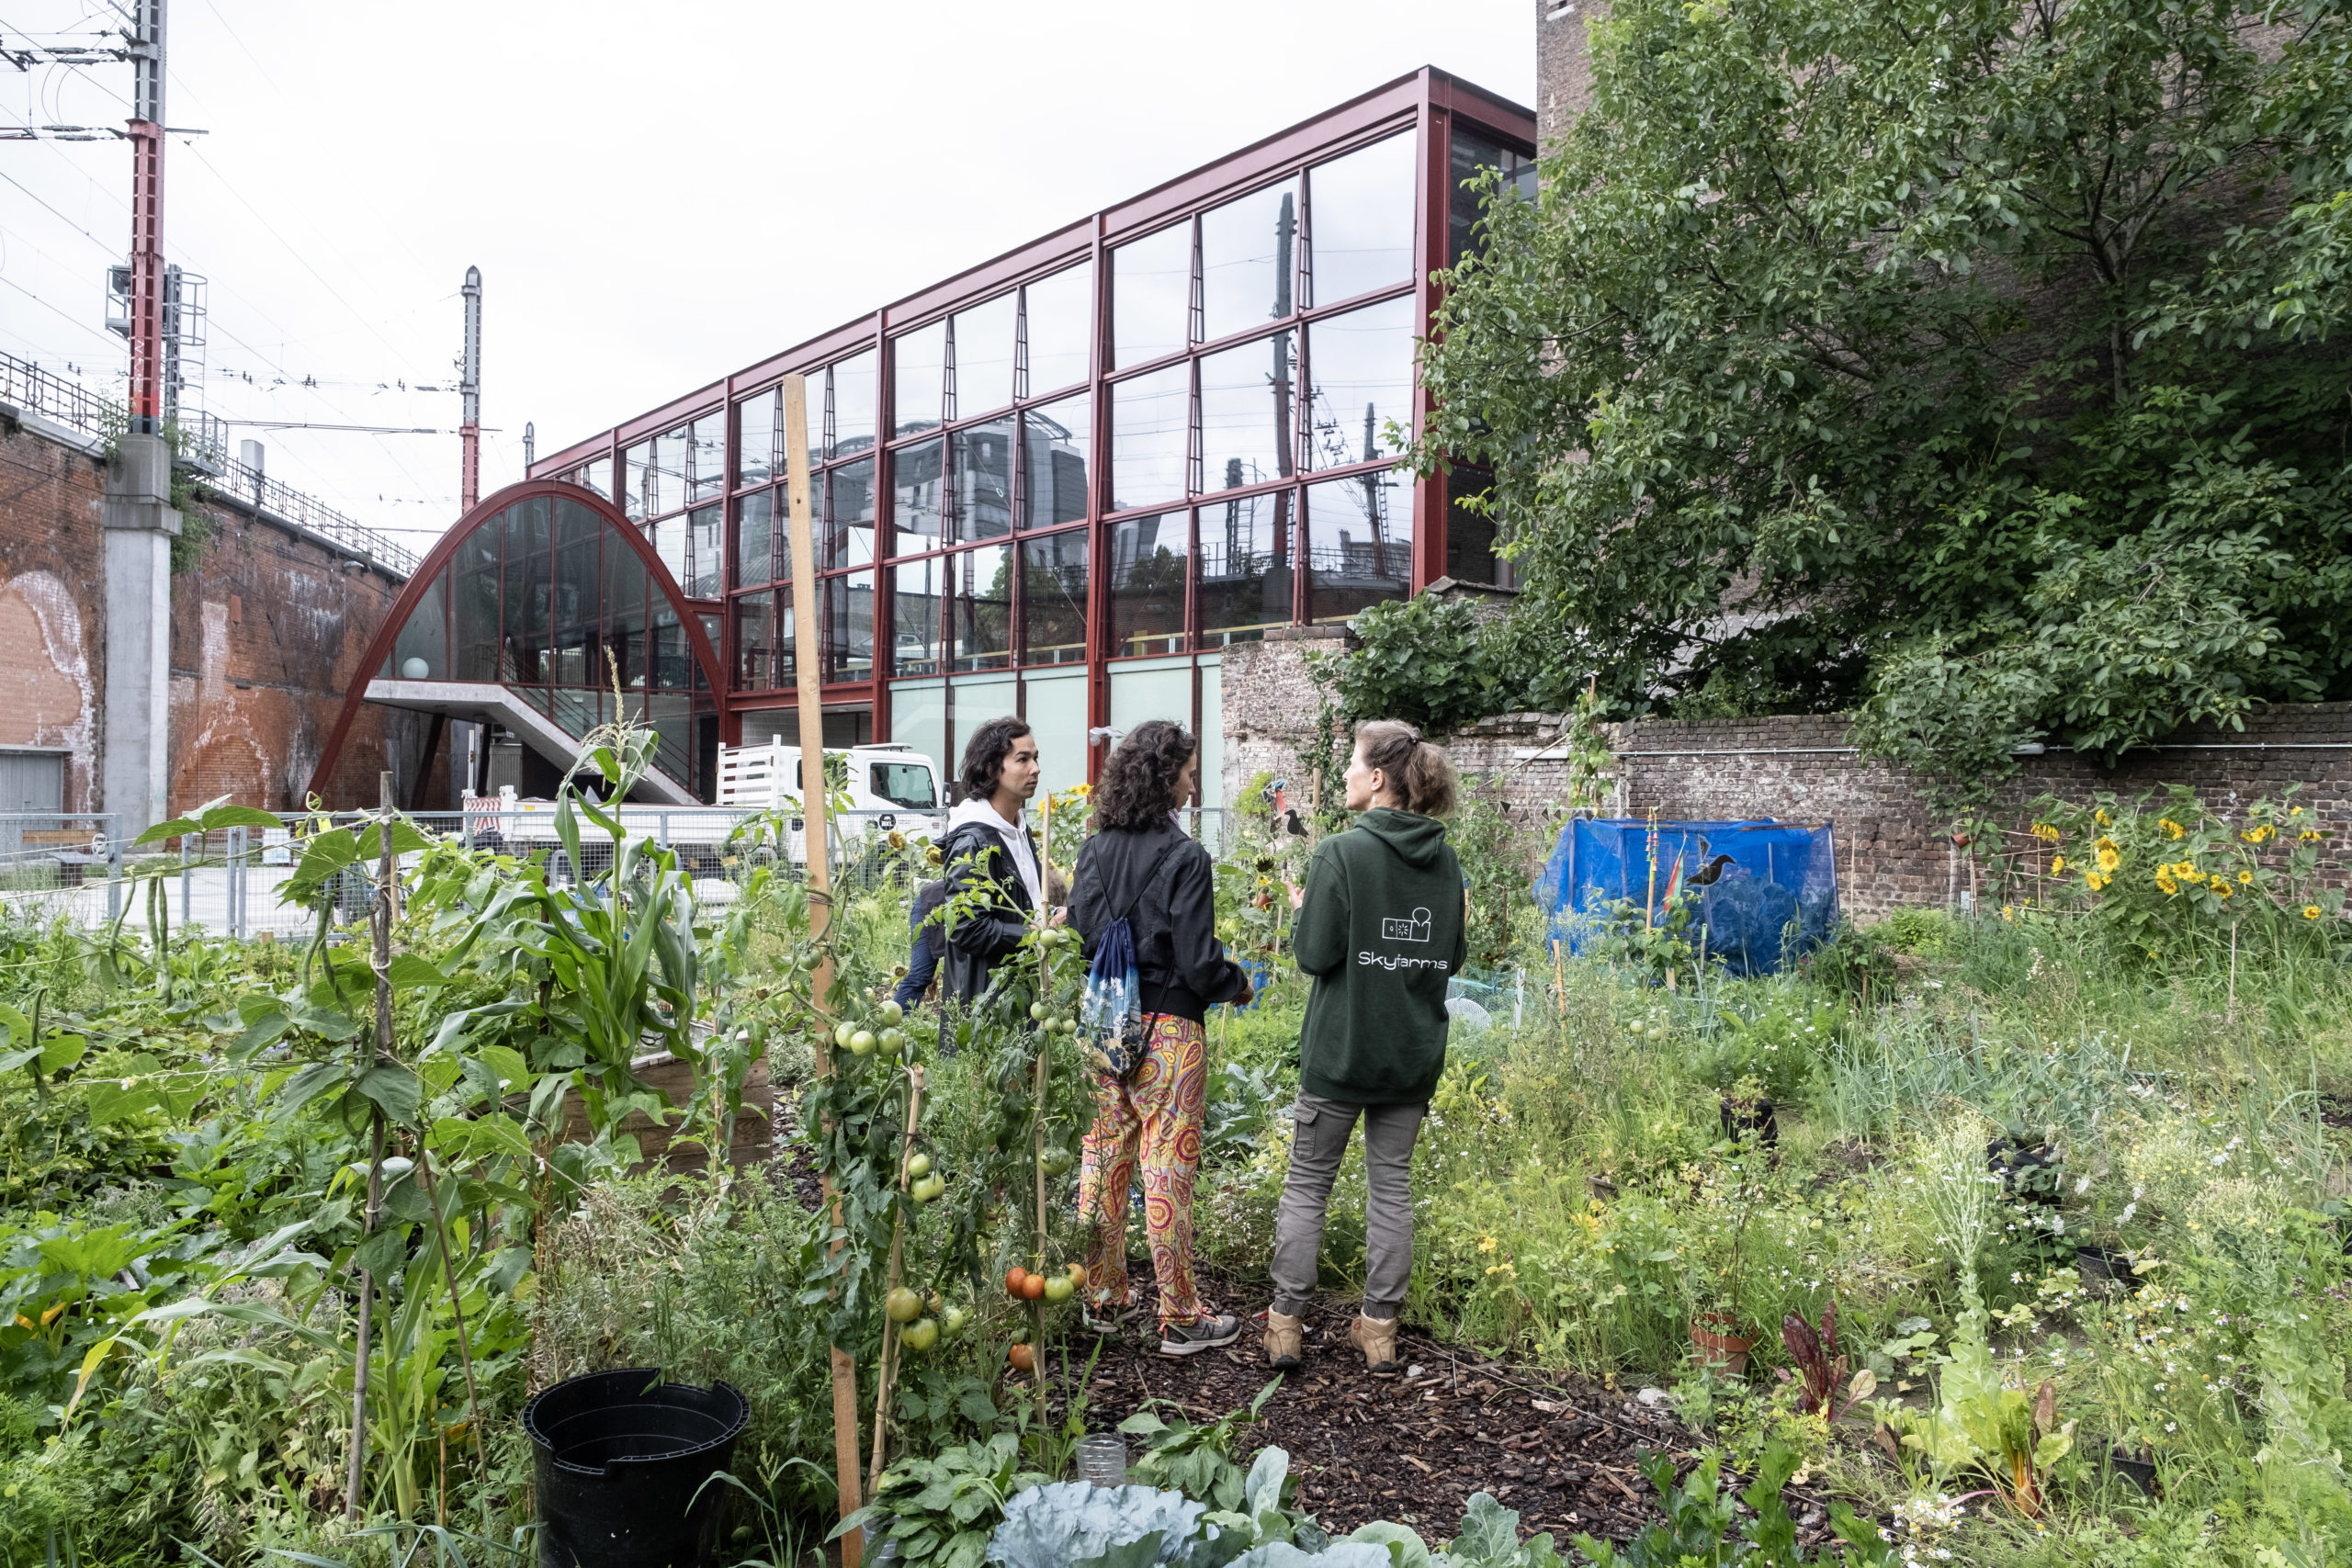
(1428, 103)
(379, 646)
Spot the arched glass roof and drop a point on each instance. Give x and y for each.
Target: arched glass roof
(530, 612)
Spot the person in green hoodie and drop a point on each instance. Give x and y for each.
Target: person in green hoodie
(1381, 928)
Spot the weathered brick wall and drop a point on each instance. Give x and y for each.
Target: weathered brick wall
(1269, 704)
(1563, 68)
(267, 632)
(52, 655)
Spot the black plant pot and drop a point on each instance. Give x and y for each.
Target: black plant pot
(1749, 1120)
(621, 1461)
(2140, 1472)
(2029, 1172)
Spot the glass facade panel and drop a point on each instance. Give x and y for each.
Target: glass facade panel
(984, 356)
(1249, 256)
(918, 718)
(707, 458)
(849, 626)
(755, 646)
(978, 699)
(1360, 366)
(760, 424)
(918, 593)
(1359, 543)
(524, 592)
(788, 646)
(1055, 706)
(421, 651)
(849, 515)
(984, 480)
(473, 605)
(576, 608)
(1247, 410)
(1149, 558)
(756, 539)
(1053, 599)
(917, 489)
(1212, 735)
(706, 553)
(596, 476)
(1151, 688)
(1470, 532)
(1060, 325)
(665, 476)
(670, 545)
(1246, 551)
(1151, 296)
(673, 655)
(1361, 209)
(1151, 420)
(1472, 149)
(919, 373)
(857, 389)
(981, 637)
(637, 469)
(626, 587)
(1056, 442)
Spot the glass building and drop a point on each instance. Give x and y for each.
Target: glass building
(1059, 483)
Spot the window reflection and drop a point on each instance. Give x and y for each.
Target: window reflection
(637, 470)
(1151, 422)
(673, 655)
(1248, 257)
(1246, 547)
(849, 626)
(1053, 599)
(665, 473)
(918, 591)
(1151, 296)
(1148, 557)
(1359, 543)
(706, 456)
(1470, 537)
(473, 605)
(981, 637)
(1246, 413)
(421, 650)
(984, 480)
(1059, 313)
(916, 487)
(1361, 367)
(1362, 220)
(760, 420)
(755, 540)
(918, 371)
(1472, 151)
(1054, 455)
(523, 592)
(856, 390)
(984, 348)
(849, 515)
(706, 553)
(754, 642)
(596, 476)
(669, 541)
(626, 586)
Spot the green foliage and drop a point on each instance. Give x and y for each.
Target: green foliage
(1963, 361)
(942, 1510)
(1433, 662)
(1699, 1528)
(1195, 1458)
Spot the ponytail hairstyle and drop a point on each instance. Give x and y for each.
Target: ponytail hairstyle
(1417, 770)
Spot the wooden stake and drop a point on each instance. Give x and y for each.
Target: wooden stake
(379, 920)
(818, 843)
(1037, 1135)
(888, 1374)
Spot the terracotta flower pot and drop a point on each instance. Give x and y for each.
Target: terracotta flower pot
(1719, 1344)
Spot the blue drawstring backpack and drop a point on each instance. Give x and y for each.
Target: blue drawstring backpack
(1111, 1018)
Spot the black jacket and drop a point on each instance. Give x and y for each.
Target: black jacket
(977, 940)
(1182, 965)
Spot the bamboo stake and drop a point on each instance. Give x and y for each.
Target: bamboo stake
(888, 1374)
(818, 840)
(1037, 1126)
(379, 920)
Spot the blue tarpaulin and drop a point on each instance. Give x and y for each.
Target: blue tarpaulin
(1753, 879)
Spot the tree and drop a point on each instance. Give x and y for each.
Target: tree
(1968, 362)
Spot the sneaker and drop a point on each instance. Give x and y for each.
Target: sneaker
(1106, 1320)
(1204, 1332)
(1284, 1340)
(1377, 1337)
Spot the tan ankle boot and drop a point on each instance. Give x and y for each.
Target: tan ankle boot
(1284, 1338)
(1377, 1337)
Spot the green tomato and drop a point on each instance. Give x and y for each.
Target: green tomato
(1037, 1012)
(841, 1033)
(903, 1305)
(894, 1041)
(892, 1013)
(1058, 1287)
(1057, 1161)
(951, 1322)
(919, 1335)
(927, 1189)
(861, 1043)
(919, 1167)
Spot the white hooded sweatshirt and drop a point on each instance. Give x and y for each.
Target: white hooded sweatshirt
(1023, 852)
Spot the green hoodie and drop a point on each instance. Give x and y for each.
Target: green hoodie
(1381, 930)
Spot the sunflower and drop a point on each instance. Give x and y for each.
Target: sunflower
(2311, 911)
(2057, 864)
(2165, 881)
(897, 841)
(2245, 876)
(2172, 828)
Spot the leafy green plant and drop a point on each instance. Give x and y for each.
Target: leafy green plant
(944, 1509)
(1195, 1457)
(1703, 1527)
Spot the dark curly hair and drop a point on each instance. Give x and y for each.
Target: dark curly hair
(984, 754)
(1141, 778)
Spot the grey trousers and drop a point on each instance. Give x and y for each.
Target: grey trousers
(1324, 1126)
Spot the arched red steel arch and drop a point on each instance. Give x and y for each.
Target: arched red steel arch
(379, 646)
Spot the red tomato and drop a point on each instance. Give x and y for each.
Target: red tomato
(1032, 1286)
(1023, 1357)
(1013, 1279)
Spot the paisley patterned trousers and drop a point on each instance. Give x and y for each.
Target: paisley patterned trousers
(1153, 1120)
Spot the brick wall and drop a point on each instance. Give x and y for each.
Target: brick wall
(1563, 69)
(1269, 704)
(268, 631)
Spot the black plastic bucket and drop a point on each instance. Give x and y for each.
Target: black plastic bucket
(620, 1458)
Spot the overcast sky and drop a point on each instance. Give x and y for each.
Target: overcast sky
(656, 194)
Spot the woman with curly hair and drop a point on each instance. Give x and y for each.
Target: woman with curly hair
(1142, 866)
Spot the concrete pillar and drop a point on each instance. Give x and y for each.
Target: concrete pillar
(139, 525)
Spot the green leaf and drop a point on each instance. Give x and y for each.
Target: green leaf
(174, 829)
(213, 819)
(394, 1091)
